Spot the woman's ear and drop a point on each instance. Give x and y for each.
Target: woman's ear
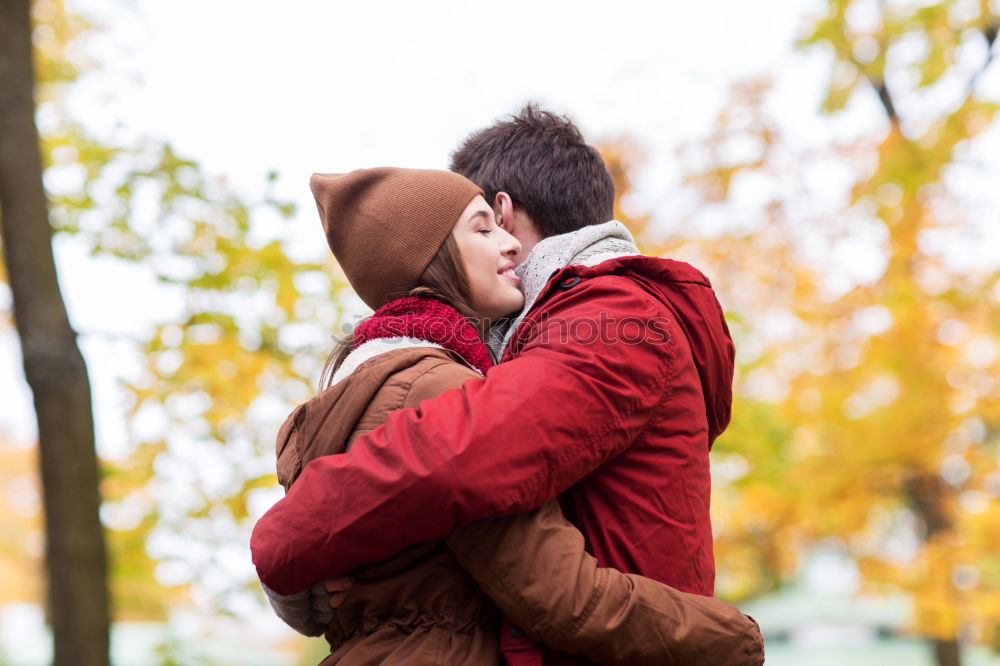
(503, 208)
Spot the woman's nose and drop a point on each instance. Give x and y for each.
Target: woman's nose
(511, 245)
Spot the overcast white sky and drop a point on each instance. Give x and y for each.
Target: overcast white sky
(336, 85)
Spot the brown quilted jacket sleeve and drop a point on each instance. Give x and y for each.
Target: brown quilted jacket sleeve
(536, 570)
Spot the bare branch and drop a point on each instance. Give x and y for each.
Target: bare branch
(990, 34)
(886, 99)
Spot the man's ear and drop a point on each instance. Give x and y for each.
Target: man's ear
(503, 207)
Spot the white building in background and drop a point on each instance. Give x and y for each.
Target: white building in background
(823, 620)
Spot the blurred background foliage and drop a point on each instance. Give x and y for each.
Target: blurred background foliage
(867, 414)
(869, 407)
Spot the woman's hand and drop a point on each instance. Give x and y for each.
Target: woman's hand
(338, 588)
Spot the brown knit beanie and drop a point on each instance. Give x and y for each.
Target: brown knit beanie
(385, 225)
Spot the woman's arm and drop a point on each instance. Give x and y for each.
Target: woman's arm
(536, 570)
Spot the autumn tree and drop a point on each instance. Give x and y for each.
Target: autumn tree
(868, 408)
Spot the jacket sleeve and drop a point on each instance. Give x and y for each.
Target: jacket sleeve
(537, 424)
(536, 570)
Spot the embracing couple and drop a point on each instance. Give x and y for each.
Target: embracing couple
(522, 427)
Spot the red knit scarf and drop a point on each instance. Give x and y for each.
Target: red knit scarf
(430, 320)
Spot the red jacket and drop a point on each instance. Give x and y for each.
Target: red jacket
(617, 384)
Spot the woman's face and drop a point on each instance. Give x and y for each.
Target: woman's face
(486, 251)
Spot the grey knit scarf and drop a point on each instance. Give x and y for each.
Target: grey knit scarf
(588, 246)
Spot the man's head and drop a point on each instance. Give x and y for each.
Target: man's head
(536, 166)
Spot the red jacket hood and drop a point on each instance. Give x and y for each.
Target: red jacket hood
(688, 294)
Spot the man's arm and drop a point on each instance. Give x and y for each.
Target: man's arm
(535, 568)
(506, 444)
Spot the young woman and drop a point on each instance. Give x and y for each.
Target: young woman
(422, 248)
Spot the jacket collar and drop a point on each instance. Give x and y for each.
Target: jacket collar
(323, 424)
(372, 348)
(687, 295)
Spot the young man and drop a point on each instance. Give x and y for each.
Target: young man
(616, 380)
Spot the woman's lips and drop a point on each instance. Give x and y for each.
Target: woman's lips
(507, 271)
(510, 275)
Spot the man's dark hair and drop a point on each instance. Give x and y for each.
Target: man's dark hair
(541, 160)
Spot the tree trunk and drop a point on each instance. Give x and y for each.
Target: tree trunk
(926, 493)
(947, 653)
(53, 365)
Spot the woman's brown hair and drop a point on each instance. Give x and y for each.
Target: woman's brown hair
(443, 279)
